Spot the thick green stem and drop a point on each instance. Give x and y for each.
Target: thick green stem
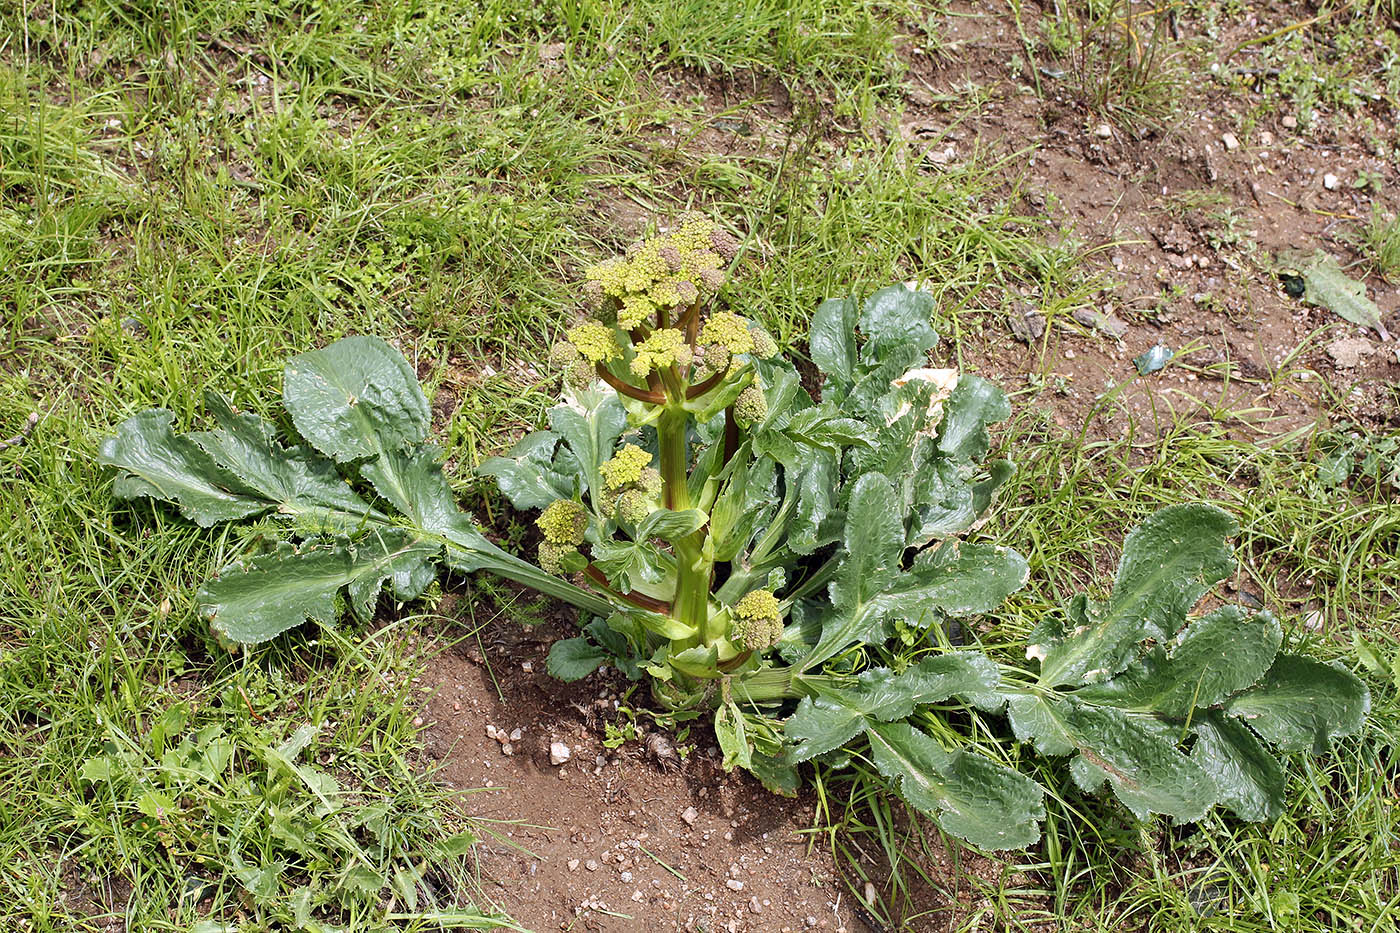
(691, 605)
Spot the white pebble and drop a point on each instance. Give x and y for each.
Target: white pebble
(559, 753)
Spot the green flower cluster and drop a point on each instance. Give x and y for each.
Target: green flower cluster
(632, 489)
(751, 406)
(595, 342)
(578, 372)
(757, 621)
(674, 269)
(563, 524)
(728, 330)
(661, 348)
(625, 467)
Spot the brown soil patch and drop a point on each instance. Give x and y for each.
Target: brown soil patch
(614, 839)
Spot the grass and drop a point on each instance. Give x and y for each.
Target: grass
(192, 191)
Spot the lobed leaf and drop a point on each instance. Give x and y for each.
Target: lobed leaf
(525, 475)
(832, 718)
(1137, 756)
(355, 398)
(1216, 655)
(258, 600)
(1303, 704)
(1249, 779)
(154, 461)
(971, 796)
(832, 339)
(896, 316)
(1168, 563)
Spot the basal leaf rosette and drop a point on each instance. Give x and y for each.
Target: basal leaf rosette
(787, 563)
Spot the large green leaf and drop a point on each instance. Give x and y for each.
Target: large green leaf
(1303, 704)
(816, 521)
(834, 717)
(1216, 655)
(526, 475)
(974, 404)
(896, 316)
(152, 460)
(412, 479)
(1137, 755)
(258, 600)
(874, 543)
(832, 339)
(355, 399)
(1250, 780)
(590, 426)
(303, 484)
(972, 797)
(1168, 563)
(955, 579)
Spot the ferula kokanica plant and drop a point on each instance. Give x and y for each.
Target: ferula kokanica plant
(787, 565)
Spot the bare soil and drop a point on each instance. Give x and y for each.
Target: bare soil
(614, 839)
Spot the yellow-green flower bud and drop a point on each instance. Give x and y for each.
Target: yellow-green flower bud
(625, 468)
(562, 354)
(764, 346)
(633, 506)
(649, 482)
(662, 348)
(563, 521)
(595, 341)
(728, 330)
(580, 374)
(715, 358)
(611, 276)
(551, 557)
(723, 244)
(757, 622)
(635, 309)
(751, 406)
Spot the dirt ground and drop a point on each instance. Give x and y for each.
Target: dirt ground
(618, 840)
(621, 838)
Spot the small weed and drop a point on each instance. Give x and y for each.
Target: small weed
(1118, 60)
(1380, 241)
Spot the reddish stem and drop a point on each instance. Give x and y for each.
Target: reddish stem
(700, 389)
(629, 390)
(636, 599)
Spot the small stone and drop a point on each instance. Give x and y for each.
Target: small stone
(754, 906)
(1230, 142)
(591, 865)
(490, 731)
(1330, 181)
(626, 877)
(418, 720)
(559, 753)
(515, 735)
(573, 864)
(734, 884)
(1349, 352)
(507, 749)
(1103, 131)
(690, 816)
(1266, 139)
(527, 666)
(1289, 122)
